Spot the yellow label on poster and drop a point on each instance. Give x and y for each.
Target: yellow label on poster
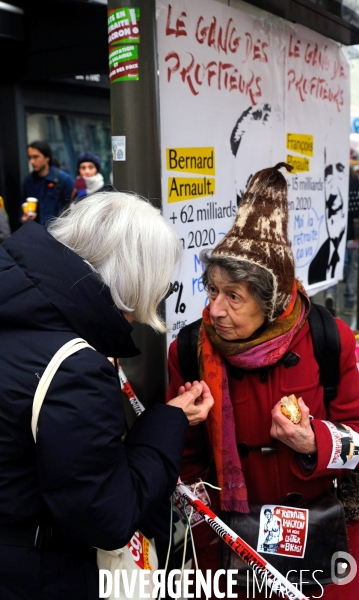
(298, 142)
(191, 160)
(189, 188)
(299, 164)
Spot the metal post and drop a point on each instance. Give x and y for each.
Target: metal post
(135, 115)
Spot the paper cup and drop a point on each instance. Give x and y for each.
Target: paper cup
(31, 205)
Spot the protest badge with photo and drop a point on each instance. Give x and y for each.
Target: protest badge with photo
(283, 530)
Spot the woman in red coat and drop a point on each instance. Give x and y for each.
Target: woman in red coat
(256, 319)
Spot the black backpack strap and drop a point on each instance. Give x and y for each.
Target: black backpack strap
(187, 351)
(326, 344)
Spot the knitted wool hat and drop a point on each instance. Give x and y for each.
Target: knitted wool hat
(260, 233)
(89, 157)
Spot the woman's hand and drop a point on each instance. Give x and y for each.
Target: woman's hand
(299, 437)
(196, 401)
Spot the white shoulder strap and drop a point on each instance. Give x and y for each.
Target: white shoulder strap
(66, 350)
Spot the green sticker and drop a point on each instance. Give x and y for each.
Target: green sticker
(123, 61)
(124, 26)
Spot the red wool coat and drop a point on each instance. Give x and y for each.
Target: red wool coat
(269, 478)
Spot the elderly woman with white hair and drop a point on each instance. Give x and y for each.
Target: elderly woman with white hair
(105, 261)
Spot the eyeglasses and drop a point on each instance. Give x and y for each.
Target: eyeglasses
(171, 289)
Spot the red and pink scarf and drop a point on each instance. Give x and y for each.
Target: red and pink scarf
(263, 349)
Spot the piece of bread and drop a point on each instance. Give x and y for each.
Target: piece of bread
(290, 408)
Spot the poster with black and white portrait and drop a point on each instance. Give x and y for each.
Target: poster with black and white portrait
(238, 94)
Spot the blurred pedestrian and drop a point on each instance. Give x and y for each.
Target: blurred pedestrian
(90, 178)
(5, 231)
(51, 186)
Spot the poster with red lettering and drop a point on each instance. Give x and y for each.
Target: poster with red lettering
(238, 94)
(283, 530)
(317, 108)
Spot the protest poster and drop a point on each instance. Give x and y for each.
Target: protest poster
(238, 94)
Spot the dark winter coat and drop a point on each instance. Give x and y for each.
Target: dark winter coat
(79, 476)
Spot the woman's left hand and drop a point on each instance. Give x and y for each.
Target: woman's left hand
(195, 399)
(299, 437)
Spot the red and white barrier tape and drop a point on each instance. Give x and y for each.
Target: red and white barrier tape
(127, 389)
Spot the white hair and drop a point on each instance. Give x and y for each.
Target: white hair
(128, 244)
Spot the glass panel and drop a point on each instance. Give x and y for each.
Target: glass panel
(350, 11)
(344, 9)
(69, 135)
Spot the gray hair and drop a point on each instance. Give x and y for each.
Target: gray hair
(260, 281)
(128, 244)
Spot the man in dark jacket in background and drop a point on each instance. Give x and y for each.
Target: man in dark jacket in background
(51, 186)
